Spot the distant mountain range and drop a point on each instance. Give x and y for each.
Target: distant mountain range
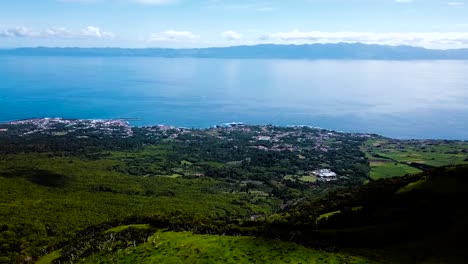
(356, 51)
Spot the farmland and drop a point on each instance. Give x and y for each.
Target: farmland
(390, 157)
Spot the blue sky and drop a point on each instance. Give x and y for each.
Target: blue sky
(205, 23)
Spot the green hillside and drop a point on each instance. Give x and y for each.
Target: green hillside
(185, 247)
(77, 190)
(412, 219)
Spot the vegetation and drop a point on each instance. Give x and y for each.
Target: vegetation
(411, 219)
(391, 157)
(72, 193)
(378, 222)
(38, 210)
(185, 247)
(386, 169)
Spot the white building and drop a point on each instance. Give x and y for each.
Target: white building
(325, 175)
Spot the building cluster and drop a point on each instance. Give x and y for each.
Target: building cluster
(164, 131)
(56, 126)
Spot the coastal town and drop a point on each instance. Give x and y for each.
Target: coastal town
(61, 127)
(310, 155)
(314, 146)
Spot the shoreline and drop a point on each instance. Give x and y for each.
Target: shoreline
(127, 122)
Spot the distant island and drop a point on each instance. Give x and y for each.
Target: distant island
(338, 51)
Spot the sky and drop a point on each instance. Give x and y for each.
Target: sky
(439, 24)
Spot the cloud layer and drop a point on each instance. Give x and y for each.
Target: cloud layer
(59, 32)
(436, 40)
(424, 39)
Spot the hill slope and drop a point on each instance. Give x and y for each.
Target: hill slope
(185, 247)
(411, 219)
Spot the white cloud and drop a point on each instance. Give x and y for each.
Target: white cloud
(231, 35)
(57, 32)
(173, 35)
(91, 31)
(424, 39)
(403, 1)
(456, 4)
(18, 32)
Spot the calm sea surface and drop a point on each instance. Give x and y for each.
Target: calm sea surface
(404, 99)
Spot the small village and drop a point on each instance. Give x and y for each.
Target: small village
(61, 127)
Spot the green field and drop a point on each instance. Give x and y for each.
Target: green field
(305, 178)
(308, 179)
(389, 158)
(185, 247)
(384, 169)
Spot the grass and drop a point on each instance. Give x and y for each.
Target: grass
(308, 179)
(389, 158)
(305, 178)
(186, 247)
(390, 169)
(411, 186)
(49, 258)
(326, 215)
(125, 227)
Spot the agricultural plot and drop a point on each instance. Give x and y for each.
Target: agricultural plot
(391, 157)
(386, 169)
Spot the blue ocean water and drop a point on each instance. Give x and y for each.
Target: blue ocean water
(403, 99)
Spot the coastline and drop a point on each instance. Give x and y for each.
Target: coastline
(126, 123)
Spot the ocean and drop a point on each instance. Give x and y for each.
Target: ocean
(401, 99)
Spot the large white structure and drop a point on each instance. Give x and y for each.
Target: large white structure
(325, 175)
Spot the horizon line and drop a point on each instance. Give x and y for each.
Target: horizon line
(232, 46)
